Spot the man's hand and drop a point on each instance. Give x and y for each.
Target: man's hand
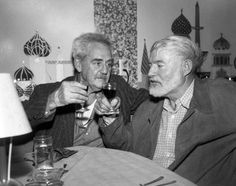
(69, 92)
(103, 106)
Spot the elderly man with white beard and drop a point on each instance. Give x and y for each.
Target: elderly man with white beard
(188, 125)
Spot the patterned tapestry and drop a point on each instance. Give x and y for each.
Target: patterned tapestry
(117, 19)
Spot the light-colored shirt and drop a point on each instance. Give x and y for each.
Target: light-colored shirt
(86, 130)
(171, 118)
(87, 114)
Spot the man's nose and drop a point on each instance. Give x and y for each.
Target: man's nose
(104, 69)
(151, 72)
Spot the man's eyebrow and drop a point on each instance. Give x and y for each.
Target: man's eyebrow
(97, 59)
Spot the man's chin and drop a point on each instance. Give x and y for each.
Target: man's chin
(155, 93)
(98, 87)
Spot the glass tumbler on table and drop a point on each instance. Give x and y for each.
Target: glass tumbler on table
(43, 152)
(44, 172)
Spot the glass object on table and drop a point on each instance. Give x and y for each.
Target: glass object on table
(48, 176)
(43, 152)
(109, 91)
(50, 183)
(44, 171)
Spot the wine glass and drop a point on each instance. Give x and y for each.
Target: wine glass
(81, 108)
(109, 90)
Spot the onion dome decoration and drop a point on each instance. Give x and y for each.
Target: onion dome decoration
(23, 83)
(37, 46)
(23, 74)
(221, 43)
(181, 26)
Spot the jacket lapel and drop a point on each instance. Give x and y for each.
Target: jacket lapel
(190, 133)
(154, 119)
(154, 113)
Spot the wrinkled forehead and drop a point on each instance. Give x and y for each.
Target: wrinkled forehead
(168, 50)
(82, 46)
(99, 49)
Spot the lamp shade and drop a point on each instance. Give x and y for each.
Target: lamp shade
(13, 120)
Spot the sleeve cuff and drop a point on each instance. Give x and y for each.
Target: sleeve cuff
(106, 121)
(50, 106)
(49, 112)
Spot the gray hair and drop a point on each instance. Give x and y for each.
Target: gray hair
(80, 44)
(183, 47)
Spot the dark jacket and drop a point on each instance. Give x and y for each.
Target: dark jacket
(61, 124)
(205, 145)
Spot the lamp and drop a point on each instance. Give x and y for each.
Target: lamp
(13, 122)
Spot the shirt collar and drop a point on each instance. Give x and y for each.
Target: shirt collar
(88, 113)
(184, 100)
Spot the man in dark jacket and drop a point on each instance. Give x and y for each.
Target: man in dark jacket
(53, 107)
(189, 125)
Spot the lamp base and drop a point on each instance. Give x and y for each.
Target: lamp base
(12, 182)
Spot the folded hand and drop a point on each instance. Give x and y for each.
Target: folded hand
(103, 106)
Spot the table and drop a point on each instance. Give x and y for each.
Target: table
(109, 167)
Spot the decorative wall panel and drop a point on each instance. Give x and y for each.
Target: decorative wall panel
(117, 19)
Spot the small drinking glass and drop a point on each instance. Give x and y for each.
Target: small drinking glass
(43, 152)
(82, 106)
(109, 91)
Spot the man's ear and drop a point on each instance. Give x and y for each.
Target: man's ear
(77, 65)
(187, 66)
